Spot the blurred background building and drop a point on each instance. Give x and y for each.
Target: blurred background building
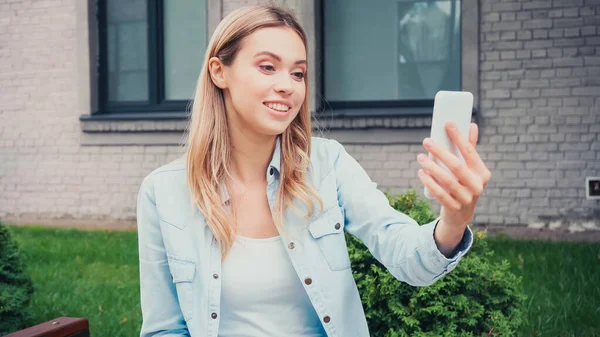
(94, 95)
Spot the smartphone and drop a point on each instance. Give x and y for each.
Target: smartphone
(448, 106)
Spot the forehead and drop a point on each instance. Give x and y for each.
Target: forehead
(282, 41)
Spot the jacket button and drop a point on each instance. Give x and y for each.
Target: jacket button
(291, 245)
(326, 319)
(337, 225)
(213, 315)
(215, 276)
(308, 281)
(271, 171)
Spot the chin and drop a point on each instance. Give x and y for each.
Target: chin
(274, 128)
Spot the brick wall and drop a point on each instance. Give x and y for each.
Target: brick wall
(45, 174)
(540, 107)
(539, 119)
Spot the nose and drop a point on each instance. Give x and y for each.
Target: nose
(284, 84)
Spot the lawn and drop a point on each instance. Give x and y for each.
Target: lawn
(91, 274)
(562, 283)
(94, 274)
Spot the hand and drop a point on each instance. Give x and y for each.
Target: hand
(459, 195)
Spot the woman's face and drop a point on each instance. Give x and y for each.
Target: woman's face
(265, 84)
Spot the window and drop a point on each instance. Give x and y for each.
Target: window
(150, 54)
(386, 55)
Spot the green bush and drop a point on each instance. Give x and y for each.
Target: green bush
(478, 298)
(16, 287)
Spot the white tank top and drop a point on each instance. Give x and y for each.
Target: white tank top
(261, 294)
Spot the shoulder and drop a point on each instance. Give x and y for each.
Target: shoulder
(171, 172)
(326, 151)
(324, 147)
(324, 156)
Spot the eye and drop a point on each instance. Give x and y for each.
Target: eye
(267, 67)
(298, 75)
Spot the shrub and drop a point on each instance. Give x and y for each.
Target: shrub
(478, 298)
(16, 287)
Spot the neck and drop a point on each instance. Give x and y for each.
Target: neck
(250, 155)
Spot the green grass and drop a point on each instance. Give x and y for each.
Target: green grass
(90, 274)
(562, 283)
(94, 274)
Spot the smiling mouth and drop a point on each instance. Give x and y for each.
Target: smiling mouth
(277, 107)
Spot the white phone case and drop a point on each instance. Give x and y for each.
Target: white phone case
(454, 106)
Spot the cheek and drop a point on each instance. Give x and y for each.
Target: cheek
(256, 87)
(299, 94)
(248, 89)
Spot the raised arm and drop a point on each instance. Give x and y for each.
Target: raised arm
(406, 249)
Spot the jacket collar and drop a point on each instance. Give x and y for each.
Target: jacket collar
(275, 164)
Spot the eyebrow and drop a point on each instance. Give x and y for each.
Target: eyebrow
(277, 57)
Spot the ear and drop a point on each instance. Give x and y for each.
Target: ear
(216, 68)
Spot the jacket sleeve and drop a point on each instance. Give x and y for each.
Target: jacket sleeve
(161, 314)
(406, 249)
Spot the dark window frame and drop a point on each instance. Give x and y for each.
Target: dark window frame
(156, 104)
(374, 108)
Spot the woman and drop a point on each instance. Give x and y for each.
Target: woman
(244, 235)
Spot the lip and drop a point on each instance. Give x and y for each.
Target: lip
(278, 114)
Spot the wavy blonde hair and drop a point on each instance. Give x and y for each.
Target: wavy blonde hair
(208, 152)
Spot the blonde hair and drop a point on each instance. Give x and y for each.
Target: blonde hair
(208, 151)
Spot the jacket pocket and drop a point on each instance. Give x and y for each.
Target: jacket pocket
(328, 232)
(183, 273)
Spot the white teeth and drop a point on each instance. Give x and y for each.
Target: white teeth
(277, 106)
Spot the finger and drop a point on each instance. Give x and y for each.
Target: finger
(446, 180)
(464, 146)
(438, 192)
(461, 171)
(473, 137)
(473, 134)
(467, 150)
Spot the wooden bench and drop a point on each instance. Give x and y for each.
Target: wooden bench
(59, 327)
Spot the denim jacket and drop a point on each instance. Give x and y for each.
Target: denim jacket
(180, 261)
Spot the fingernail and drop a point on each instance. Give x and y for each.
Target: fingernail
(427, 143)
(452, 126)
(421, 158)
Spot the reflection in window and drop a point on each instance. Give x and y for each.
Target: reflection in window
(127, 49)
(390, 49)
(427, 51)
(185, 43)
(150, 54)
